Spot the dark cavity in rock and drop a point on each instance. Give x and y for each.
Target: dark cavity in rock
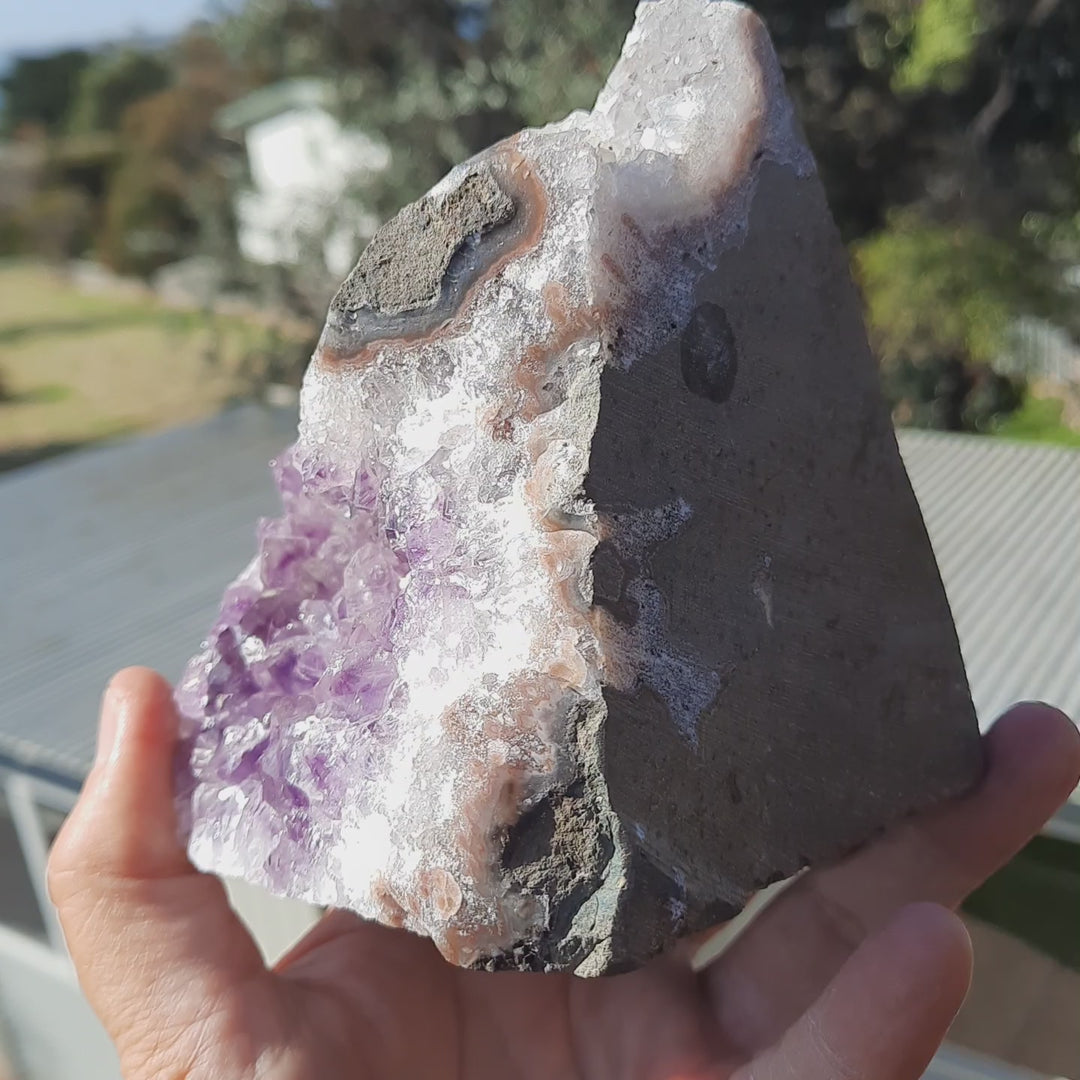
(710, 360)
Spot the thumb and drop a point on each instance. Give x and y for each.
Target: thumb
(886, 1012)
(154, 942)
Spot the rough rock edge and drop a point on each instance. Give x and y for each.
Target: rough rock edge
(566, 851)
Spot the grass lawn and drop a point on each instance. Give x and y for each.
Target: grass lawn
(1037, 898)
(77, 368)
(1039, 420)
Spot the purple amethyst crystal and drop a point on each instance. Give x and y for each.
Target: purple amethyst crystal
(297, 674)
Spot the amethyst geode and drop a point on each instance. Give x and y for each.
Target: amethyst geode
(600, 597)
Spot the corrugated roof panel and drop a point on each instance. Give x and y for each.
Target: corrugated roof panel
(1004, 520)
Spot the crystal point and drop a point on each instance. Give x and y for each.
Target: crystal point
(599, 597)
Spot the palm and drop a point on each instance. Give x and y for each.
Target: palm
(840, 977)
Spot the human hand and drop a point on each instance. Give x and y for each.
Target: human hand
(856, 971)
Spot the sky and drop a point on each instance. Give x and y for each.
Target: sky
(33, 25)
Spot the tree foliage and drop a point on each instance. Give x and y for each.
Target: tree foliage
(904, 102)
(935, 290)
(437, 80)
(947, 134)
(941, 38)
(546, 74)
(112, 82)
(168, 180)
(38, 91)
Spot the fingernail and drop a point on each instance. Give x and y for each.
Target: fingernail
(107, 726)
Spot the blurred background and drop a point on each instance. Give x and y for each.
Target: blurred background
(184, 184)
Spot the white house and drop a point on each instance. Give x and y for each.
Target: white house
(304, 170)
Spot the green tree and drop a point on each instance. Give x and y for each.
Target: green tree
(934, 290)
(940, 303)
(405, 71)
(168, 180)
(38, 90)
(546, 74)
(112, 81)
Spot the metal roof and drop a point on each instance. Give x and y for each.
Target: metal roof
(118, 556)
(1004, 520)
